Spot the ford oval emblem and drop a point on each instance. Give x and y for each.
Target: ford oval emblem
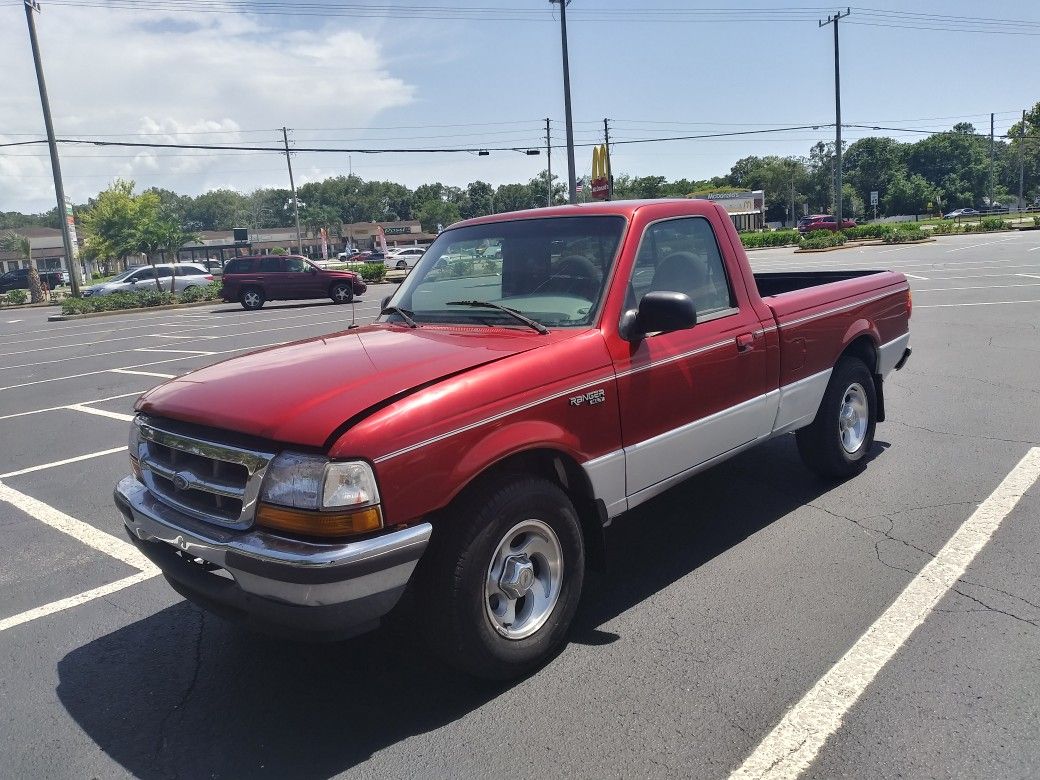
(182, 480)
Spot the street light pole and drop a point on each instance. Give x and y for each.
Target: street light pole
(571, 179)
(292, 184)
(548, 163)
(837, 112)
(71, 250)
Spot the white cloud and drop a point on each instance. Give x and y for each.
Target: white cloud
(209, 79)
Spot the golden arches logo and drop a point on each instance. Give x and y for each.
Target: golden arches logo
(600, 162)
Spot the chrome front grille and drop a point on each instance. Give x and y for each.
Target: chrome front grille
(194, 473)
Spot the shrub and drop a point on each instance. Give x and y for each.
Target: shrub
(17, 297)
(903, 235)
(873, 230)
(944, 228)
(991, 223)
(116, 302)
(769, 238)
(76, 306)
(1036, 222)
(372, 272)
(823, 239)
(210, 292)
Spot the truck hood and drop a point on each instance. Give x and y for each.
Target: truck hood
(300, 393)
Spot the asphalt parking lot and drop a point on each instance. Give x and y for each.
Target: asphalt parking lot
(726, 601)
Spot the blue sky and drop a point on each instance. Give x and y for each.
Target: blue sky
(483, 81)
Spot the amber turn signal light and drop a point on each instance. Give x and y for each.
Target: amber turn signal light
(310, 523)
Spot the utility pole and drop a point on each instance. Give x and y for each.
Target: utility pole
(992, 161)
(1022, 162)
(548, 161)
(610, 170)
(71, 250)
(571, 179)
(837, 111)
(292, 184)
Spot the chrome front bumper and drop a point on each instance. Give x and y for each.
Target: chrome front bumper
(334, 589)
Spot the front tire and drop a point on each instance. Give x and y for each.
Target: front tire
(501, 581)
(401, 265)
(342, 293)
(251, 298)
(838, 440)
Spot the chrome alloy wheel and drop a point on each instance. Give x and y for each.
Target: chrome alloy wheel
(853, 418)
(524, 579)
(251, 298)
(342, 293)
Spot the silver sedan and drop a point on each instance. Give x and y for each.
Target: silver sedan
(184, 276)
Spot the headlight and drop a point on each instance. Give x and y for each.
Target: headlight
(312, 495)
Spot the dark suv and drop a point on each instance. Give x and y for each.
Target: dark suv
(253, 280)
(18, 279)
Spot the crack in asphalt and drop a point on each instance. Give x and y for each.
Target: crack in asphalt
(164, 724)
(966, 435)
(991, 608)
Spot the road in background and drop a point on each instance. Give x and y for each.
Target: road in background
(724, 602)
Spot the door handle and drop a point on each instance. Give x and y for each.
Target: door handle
(745, 341)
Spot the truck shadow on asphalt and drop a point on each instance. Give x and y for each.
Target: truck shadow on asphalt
(181, 693)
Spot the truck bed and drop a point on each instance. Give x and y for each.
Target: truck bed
(788, 281)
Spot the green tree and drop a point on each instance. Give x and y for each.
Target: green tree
(436, 212)
(908, 195)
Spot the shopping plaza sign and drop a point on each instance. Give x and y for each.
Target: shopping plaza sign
(600, 172)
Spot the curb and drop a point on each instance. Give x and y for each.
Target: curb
(168, 307)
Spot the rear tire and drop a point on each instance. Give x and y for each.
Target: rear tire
(251, 298)
(342, 293)
(401, 265)
(838, 440)
(500, 583)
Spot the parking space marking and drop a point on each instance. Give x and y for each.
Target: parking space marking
(980, 287)
(792, 746)
(1029, 276)
(75, 601)
(76, 459)
(914, 276)
(175, 351)
(139, 373)
(981, 303)
(66, 406)
(78, 530)
(984, 243)
(101, 412)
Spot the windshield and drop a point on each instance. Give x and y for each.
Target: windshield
(551, 270)
(123, 276)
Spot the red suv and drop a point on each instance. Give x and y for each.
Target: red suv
(823, 222)
(253, 280)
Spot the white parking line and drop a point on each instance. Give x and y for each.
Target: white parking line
(792, 746)
(914, 276)
(981, 287)
(1029, 276)
(77, 529)
(101, 412)
(176, 351)
(77, 459)
(66, 406)
(984, 243)
(983, 303)
(141, 373)
(75, 601)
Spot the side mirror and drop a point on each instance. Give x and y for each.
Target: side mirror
(658, 312)
(313, 270)
(385, 301)
(132, 280)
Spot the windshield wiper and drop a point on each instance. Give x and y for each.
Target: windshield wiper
(404, 314)
(511, 312)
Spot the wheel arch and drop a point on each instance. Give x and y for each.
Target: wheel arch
(864, 346)
(563, 469)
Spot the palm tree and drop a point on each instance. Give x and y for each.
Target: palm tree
(13, 242)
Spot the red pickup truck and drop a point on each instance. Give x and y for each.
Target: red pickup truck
(536, 375)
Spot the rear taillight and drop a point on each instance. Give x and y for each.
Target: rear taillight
(909, 302)
(209, 277)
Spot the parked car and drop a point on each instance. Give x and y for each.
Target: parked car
(142, 279)
(957, 213)
(802, 221)
(253, 280)
(18, 279)
(824, 222)
(474, 445)
(406, 257)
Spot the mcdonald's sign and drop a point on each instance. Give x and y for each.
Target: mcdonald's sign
(600, 172)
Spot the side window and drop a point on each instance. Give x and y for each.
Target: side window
(239, 267)
(271, 264)
(682, 255)
(144, 274)
(165, 273)
(295, 265)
